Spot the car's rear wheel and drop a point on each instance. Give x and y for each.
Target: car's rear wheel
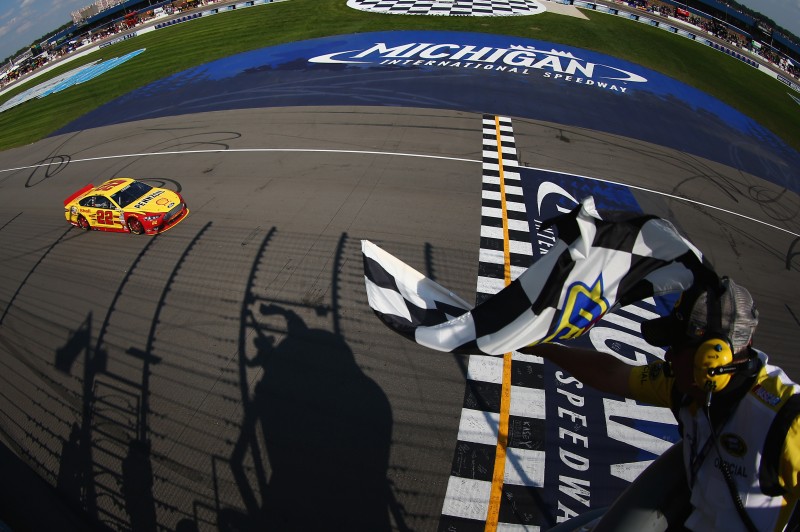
(83, 223)
(135, 226)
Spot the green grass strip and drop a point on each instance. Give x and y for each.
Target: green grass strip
(177, 48)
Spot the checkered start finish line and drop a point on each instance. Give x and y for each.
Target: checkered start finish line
(466, 8)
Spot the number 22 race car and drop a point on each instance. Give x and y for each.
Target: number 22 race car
(125, 205)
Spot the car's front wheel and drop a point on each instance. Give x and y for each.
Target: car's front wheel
(83, 223)
(135, 226)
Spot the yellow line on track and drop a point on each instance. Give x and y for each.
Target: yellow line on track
(498, 474)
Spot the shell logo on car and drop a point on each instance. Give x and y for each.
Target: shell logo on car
(125, 205)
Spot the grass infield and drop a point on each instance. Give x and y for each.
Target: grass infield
(183, 46)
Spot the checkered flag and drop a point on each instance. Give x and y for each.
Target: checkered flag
(597, 264)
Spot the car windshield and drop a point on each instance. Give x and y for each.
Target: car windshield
(131, 193)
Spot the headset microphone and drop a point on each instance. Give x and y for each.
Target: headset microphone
(724, 370)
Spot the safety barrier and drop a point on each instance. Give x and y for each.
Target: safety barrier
(212, 11)
(178, 20)
(117, 40)
(732, 53)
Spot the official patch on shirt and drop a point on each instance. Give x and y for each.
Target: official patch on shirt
(734, 444)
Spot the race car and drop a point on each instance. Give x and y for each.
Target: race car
(125, 205)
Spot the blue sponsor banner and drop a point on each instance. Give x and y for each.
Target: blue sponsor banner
(596, 444)
(471, 72)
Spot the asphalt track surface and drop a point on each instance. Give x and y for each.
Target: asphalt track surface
(229, 373)
(268, 265)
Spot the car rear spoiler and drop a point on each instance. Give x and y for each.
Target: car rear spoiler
(81, 192)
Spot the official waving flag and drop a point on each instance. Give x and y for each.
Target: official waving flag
(596, 264)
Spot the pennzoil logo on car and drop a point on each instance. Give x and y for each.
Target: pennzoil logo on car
(733, 444)
(142, 202)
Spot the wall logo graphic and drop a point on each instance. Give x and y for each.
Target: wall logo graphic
(515, 59)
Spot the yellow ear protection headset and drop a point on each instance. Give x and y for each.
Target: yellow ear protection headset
(713, 364)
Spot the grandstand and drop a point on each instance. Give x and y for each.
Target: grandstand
(752, 30)
(92, 23)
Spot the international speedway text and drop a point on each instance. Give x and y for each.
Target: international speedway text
(520, 60)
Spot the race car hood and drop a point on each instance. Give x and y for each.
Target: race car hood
(157, 200)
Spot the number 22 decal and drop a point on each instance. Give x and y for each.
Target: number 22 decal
(105, 217)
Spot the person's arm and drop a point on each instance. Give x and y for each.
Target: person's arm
(599, 370)
(789, 469)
